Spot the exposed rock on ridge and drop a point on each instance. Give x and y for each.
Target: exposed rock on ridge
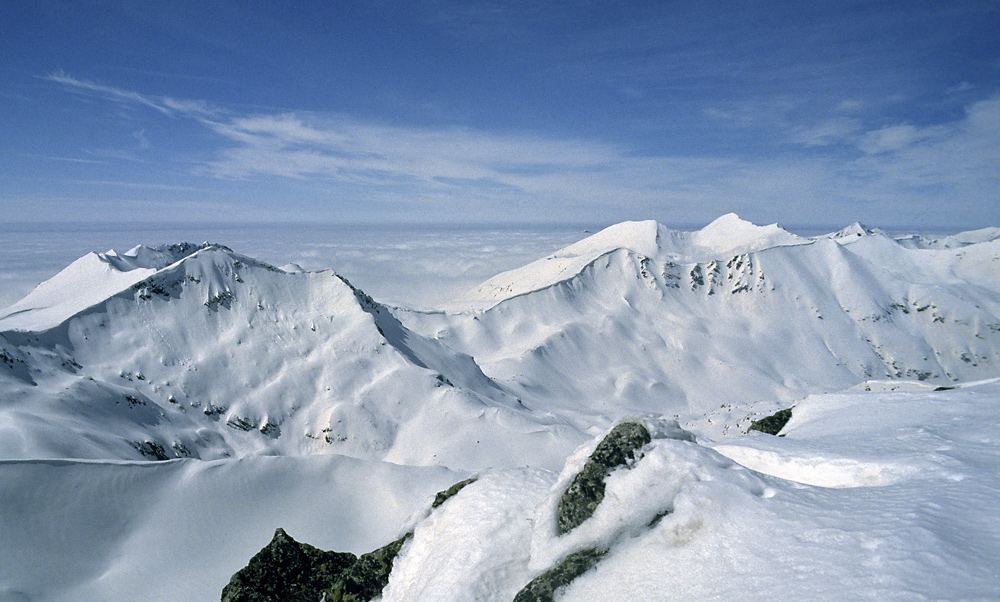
(772, 424)
(289, 571)
(586, 491)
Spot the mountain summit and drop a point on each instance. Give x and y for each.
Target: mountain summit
(726, 236)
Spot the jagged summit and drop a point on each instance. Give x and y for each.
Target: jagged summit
(156, 257)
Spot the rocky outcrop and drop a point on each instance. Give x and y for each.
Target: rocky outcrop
(287, 571)
(586, 491)
(772, 424)
(367, 577)
(444, 496)
(544, 587)
(584, 494)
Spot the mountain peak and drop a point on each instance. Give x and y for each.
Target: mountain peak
(855, 230)
(640, 237)
(732, 235)
(92, 279)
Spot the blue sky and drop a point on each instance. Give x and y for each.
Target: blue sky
(485, 112)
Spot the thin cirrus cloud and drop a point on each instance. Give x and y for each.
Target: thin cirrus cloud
(850, 170)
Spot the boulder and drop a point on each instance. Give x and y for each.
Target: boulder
(289, 571)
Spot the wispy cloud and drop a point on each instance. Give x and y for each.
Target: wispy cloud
(162, 104)
(827, 132)
(471, 174)
(961, 158)
(69, 159)
(140, 185)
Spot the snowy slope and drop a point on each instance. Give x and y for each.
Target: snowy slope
(848, 505)
(178, 530)
(87, 281)
(870, 495)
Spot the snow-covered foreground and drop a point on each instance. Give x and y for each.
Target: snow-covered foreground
(163, 410)
(868, 496)
(881, 496)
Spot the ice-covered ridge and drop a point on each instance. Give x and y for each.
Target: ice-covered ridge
(954, 241)
(622, 325)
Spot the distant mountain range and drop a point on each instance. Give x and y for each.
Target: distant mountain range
(197, 351)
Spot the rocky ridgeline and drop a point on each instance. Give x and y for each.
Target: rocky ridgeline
(289, 571)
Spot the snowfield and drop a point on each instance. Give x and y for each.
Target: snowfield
(164, 410)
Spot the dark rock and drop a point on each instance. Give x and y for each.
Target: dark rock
(443, 496)
(287, 571)
(366, 578)
(585, 493)
(772, 424)
(150, 449)
(544, 587)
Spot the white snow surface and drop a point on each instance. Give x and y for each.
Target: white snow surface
(88, 281)
(290, 398)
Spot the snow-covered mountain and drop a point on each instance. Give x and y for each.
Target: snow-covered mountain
(163, 410)
(216, 355)
(642, 318)
(194, 350)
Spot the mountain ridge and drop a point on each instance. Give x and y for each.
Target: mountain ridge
(217, 354)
